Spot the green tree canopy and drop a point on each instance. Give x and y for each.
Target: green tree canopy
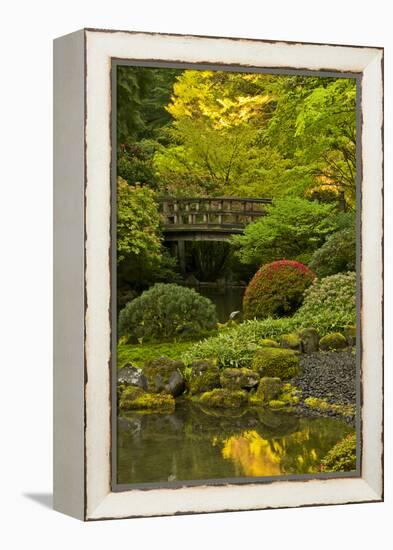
(292, 229)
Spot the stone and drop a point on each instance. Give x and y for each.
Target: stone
(203, 381)
(276, 363)
(131, 376)
(234, 315)
(291, 341)
(268, 343)
(332, 341)
(350, 335)
(136, 399)
(201, 365)
(224, 398)
(269, 388)
(159, 371)
(310, 340)
(238, 379)
(176, 384)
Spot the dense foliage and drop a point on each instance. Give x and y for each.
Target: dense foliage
(141, 257)
(276, 289)
(138, 223)
(167, 311)
(260, 135)
(294, 227)
(235, 347)
(329, 304)
(342, 457)
(337, 254)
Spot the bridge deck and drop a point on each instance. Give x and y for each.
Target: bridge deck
(212, 218)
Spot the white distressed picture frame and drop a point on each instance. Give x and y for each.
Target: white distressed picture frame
(82, 251)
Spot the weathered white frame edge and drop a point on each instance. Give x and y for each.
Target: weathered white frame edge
(98, 500)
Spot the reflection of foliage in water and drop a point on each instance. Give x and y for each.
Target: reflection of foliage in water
(194, 443)
(298, 452)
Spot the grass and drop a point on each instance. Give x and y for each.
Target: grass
(137, 354)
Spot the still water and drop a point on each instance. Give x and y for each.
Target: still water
(226, 300)
(195, 443)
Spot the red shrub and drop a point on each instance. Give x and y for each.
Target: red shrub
(276, 289)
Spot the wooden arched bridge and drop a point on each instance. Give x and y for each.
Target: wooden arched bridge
(207, 218)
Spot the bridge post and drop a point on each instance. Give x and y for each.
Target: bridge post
(181, 254)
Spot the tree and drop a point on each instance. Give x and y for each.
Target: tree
(292, 229)
(141, 257)
(314, 124)
(216, 120)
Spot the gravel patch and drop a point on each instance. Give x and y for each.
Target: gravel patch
(330, 376)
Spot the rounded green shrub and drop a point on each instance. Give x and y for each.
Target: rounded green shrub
(276, 289)
(329, 304)
(276, 362)
(342, 457)
(337, 254)
(332, 341)
(167, 311)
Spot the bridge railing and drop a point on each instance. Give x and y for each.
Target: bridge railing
(211, 211)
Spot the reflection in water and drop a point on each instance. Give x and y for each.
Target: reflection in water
(195, 443)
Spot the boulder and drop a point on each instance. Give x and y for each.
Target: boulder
(224, 398)
(176, 384)
(268, 343)
(310, 340)
(276, 363)
(239, 379)
(350, 335)
(131, 376)
(159, 371)
(201, 365)
(203, 381)
(333, 341)
(291, 341)
(268, 388)
(136, 399)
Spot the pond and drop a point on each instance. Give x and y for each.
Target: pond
(196, 444)
(226, 299)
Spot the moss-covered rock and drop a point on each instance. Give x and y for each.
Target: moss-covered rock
(323, 406)
(201, 365)
(134, 398)
(239, 379)
(224, 398)
(291, 341)
(290, 395)
(277, 404)
(158, 373)
(268, 343)
(350, 335)
(310, 340)
(204, 381)
(269, 388)
(332, 341)
(276, 362)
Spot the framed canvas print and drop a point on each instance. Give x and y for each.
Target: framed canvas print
(218, 274)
